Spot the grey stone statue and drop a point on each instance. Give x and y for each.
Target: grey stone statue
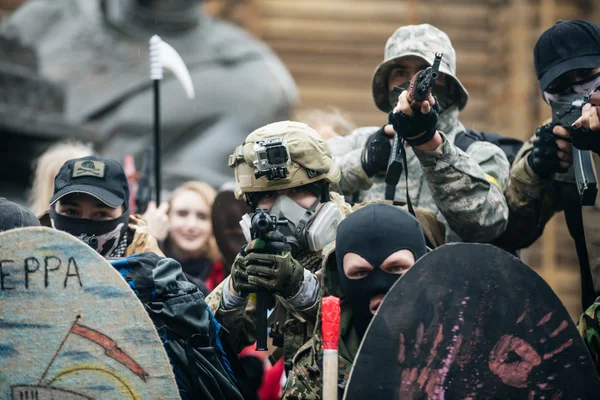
(79, 68)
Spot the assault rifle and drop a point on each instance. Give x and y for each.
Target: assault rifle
(419, 90)
(567, 113)
(261, 224)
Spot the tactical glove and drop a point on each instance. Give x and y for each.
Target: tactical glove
(416, 129)
(376, 153)
(585, 139)
(267, 265)
(543, 159)
(239, 277)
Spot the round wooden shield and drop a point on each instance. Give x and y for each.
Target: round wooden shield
(71, 327)
(471, 321)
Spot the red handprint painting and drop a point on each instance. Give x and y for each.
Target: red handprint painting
(472, 322)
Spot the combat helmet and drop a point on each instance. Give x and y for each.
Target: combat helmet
(423, 41)
(282, 155)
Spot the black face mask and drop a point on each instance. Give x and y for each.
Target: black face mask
(102, 236)
(374, 233)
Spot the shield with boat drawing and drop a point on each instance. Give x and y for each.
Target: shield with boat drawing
(71, 327)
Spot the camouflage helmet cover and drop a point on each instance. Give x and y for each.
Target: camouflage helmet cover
(421, 41)
(311, 159)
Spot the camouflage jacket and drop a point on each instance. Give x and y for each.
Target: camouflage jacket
(463, 189)
(532, 201)
(305, 380)
(589, 329)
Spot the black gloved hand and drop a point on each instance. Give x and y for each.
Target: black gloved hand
(267, 265)
(376, 153)
(416, 129)
(543, 159)
(585, 139)
(275, 244)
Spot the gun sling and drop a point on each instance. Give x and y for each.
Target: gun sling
(573, 215)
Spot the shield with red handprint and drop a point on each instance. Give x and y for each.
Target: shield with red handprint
(470, 321)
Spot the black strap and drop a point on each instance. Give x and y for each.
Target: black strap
(574, 217)
(390, 190)
(464, 140)
(405, 162)
(510, 146)
(408, 202)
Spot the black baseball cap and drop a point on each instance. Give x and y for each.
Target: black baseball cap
(100, 177)
(13, 215)
(568, 45)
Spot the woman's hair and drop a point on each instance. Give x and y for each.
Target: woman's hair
(208, 194)
(329, 122)
(47, 166)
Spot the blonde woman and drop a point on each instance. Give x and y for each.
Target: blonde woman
(184, 227)
(47, 166)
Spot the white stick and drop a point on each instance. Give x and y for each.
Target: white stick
(330, 370)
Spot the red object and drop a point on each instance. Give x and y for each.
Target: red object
(271, 385)
(330, 322)
(216, 276)
(112, 350)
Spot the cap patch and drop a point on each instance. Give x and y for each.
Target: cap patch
(88, 168)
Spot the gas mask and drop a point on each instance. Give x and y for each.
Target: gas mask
(102, 236)
(310, 228)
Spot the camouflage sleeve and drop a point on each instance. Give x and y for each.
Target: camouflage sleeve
(531, 200)
(304, 380)
(240, 322)
(307, 296)
(589, 329)
(467, 188)
(308, 314)
(347, 152)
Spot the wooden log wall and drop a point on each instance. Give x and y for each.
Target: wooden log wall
(332, 48)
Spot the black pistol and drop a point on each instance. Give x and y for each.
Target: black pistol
(261, 224)
(419, 89)
(422, 83)
(567, 113)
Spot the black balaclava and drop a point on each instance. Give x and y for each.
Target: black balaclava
(374, 233)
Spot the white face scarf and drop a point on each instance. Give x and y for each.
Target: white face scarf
(583, 87)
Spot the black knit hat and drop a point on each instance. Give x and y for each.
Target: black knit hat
(566, 46)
